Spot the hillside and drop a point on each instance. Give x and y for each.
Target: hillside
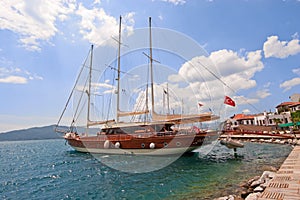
(36, 133)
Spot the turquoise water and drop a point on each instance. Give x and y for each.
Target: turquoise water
(49, 169)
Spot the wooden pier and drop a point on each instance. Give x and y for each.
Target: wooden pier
(286, 183)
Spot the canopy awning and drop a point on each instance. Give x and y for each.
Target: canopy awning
(289, 124)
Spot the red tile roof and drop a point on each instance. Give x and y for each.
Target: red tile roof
(294, 104)
(243, 116)
(285, 104)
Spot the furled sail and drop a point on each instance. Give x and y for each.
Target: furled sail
(184, 119)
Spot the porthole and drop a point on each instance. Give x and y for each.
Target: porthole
(165, 144)
(143, 145)
(178, 144)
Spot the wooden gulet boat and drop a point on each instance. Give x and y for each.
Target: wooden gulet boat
(155, 137)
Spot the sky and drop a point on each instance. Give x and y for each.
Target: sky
(254, 44)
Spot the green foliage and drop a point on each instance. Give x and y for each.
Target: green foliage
(296, 116)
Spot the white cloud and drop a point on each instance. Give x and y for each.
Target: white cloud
(263, 93)
(97, 2)
(97, 26)
(273, 47)
(204, 78)
(13, 80)
(160, 17)
(33, 20)
(233, 69)
(246, 111)
(242, 100)
(296, 71)
(16, 76)
(36, 21)
(295, 35)
(287, 85)
(267, 85)
(175, 2)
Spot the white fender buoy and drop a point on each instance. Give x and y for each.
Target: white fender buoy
(117, 144)
(106, 144)
(68, 135)
(152, 145)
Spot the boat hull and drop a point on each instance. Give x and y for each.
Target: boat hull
(149, 152)
(137, 145)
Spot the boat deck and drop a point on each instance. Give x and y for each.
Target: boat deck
(286, 183)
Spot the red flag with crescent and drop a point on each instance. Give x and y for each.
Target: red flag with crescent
(229, 101)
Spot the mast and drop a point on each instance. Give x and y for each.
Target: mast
(151, 66)
(89, 88)
(168, 100)
(119, 70)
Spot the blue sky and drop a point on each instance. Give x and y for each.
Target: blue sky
(255, 45)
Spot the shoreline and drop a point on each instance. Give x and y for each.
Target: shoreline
(273, 139)
(252, 188)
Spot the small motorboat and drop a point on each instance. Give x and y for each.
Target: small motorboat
(231, 144)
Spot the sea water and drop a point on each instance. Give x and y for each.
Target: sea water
(49, 169)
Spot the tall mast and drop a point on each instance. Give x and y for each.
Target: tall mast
(151, 66)
(119, 70)
(89, 87)
(168, 100)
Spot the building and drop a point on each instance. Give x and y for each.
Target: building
(272, 119)
(266, 119)
(282, 118)
(294, 107)
(284, 107)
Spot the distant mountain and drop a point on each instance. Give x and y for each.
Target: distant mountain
(37, 133)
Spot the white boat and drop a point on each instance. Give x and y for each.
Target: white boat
(231, 144)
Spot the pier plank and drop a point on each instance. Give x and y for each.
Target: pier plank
(286, 183)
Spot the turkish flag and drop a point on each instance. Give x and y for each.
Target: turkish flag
(229, 101)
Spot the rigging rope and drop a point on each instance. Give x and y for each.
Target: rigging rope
(235, 92)
(71, 94)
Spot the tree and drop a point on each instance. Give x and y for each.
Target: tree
(277, 121)
(295, 117)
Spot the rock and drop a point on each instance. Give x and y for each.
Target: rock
(244, 185)
(256, 183)
(294, 141)
(269, 168)
(244, 194)
(267, 174)
(252, 180)
(258, 189)
(230, 197)
(222, 198)
(264, 185)
(272, 175)
(265, 177)
(253, 196)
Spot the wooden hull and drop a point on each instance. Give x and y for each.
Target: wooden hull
(151, 144)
